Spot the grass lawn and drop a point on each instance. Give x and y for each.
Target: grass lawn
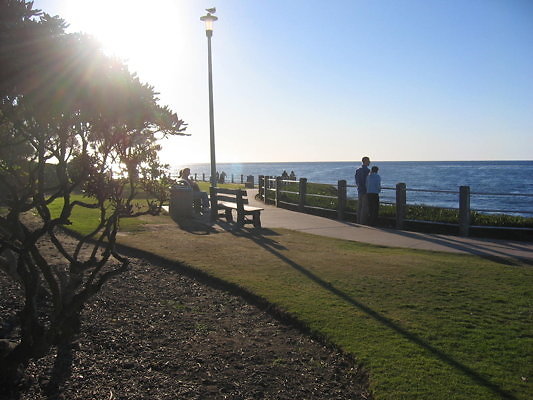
(85, 220)
(204, 186)
(426, 325)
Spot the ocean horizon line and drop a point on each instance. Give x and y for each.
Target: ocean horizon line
(348, 161)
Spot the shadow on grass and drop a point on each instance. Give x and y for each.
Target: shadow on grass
(496, 252)
(260, 240)
(197, 225)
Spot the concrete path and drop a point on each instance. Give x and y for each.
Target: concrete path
(273, 217)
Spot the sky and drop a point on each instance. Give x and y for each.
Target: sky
(334, 80)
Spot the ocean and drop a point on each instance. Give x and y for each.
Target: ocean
(515, 177)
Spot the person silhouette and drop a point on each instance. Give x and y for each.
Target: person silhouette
(360, 180)
(184, 176)
(373, 188)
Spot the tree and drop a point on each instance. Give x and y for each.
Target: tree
(71, 119)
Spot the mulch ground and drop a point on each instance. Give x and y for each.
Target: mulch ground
(153, 333)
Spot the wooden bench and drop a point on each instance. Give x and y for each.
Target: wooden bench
(228, 200)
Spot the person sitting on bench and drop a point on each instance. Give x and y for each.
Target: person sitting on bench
(196, 192)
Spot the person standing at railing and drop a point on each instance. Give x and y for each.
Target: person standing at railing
(222, 178)
(373, 188)
(360, 181)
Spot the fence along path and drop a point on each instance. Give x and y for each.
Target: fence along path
(267, 183)
(343, 186)
(275, 217)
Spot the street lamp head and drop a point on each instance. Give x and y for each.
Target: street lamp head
(208, 20)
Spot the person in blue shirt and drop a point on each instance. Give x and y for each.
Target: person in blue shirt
(373, 188)
(360, 181)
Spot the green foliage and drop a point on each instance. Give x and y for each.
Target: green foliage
(423, 213)
(71, 119)
(500, 220)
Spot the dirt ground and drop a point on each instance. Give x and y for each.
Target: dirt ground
(153, 333)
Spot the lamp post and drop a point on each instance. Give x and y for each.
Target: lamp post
(208, 20)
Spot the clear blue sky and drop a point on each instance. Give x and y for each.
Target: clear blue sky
(331, 80)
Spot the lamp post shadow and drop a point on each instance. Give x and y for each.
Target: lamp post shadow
(271, 247)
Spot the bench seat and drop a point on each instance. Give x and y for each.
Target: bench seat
(228, 200)
(247, 208)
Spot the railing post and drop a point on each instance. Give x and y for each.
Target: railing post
(278, 188)
(242, 178)
(195, 177)
(464, 210)
(303, 192)
(401, 200)
(267, 185)
(203, 177)
(341, 199)
(232, 181)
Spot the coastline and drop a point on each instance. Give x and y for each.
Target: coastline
(497, 177)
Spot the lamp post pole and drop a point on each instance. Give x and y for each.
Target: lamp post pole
(209, 19)
(211, 112)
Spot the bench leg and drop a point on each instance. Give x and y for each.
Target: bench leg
(240, 219)
(229, 216)
(257, 219)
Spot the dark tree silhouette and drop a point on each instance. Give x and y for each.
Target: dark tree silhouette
(71, 119)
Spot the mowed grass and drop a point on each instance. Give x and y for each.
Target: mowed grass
(426, 325)
(204, 186)
(85, 220)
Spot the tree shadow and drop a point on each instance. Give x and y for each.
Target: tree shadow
(477, 248)
(266, 244)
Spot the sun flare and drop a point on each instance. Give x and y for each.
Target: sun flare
(153, 38)
(130, 29)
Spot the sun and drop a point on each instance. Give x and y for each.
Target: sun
(128, 29)
(154, 39)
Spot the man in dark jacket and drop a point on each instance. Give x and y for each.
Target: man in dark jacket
(360, 180)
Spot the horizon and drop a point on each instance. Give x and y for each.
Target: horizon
(352, 161)
(416, 80)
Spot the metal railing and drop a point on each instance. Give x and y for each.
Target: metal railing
(232, 178)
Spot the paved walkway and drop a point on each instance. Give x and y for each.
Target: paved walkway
(273, 217)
